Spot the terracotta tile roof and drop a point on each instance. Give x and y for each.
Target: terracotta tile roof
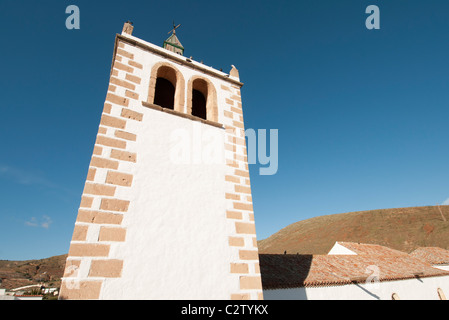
(371, 249)
(294, 271)
(432, 255)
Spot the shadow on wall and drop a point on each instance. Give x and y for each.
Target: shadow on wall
(284, 271)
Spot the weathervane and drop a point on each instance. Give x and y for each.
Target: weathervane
(174, 28)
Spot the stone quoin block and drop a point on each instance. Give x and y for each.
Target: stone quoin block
(125, 135)
(104, 163)
(106, 268)
(110, 142)
(99, 217)
(114, 205)
(82, 290)
(88, 250)
(112, 234)
(120, 179)
(133, 115)
(123, 155)
(117, 99)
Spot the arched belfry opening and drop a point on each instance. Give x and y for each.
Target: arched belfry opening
(164, 94)
(199, 99)
(202, 99)
(166, 87)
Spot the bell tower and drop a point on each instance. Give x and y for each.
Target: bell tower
(166, 211)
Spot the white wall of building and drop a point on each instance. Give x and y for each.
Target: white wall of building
(28, 298)
(411, 289)
(442, 267)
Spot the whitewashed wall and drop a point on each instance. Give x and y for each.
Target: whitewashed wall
(176, 225)
(412, 289)
(442, 267)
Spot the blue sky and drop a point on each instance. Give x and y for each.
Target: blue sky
(362, 114)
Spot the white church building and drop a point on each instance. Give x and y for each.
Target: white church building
(353, 271)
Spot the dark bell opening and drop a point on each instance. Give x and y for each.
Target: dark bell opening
(198, 105)
(165, 94)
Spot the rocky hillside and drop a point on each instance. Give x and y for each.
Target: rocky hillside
(403, 229)
(16, 274)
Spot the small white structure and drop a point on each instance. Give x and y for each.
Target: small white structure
(4, 296)
(339, 249)
(352, 271)
(53, 291)
(28, 297)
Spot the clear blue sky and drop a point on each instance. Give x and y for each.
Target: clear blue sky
(362, 115)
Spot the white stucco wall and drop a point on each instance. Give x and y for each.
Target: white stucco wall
(442, 267)
(28, 298)
(176, 224)
(412, 289)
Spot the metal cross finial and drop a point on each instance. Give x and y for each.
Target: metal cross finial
(174, 28)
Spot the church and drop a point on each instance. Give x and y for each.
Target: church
(166, 211)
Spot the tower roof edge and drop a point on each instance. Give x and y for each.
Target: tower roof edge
(147, 46)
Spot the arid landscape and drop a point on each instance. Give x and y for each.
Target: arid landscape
(404, 229)
(48, 271)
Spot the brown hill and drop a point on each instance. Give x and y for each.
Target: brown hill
(15, 274)
(402, 229)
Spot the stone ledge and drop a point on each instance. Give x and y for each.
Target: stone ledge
(181, 114)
